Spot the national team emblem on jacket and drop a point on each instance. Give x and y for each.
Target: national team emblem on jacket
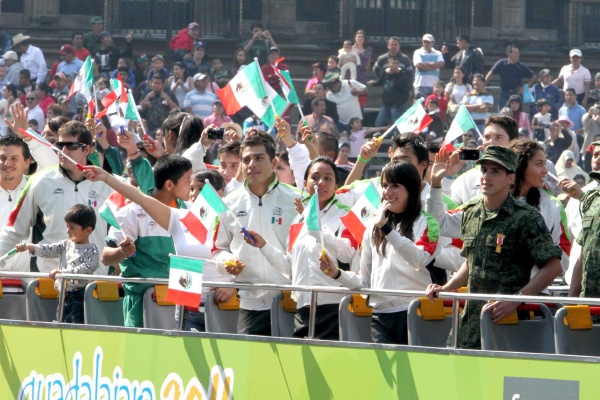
(277, 211)
(92, 203)
(365, 213)
(277, 220)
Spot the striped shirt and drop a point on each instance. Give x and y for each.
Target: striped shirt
(201, 104)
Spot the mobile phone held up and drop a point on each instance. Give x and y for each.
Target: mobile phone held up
(216, 133)
(466, 154)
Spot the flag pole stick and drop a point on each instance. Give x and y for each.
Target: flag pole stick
(323, 252)
(9, 254)
(265, 88)
(53, 147)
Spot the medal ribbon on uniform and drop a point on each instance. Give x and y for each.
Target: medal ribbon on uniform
(499, 242)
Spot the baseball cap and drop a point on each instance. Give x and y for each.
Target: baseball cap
(500, 155)
(545, 72)
(199, 76)
(273, 48)
(428, 37)
(193, 25)
(11, 55)
(96, 20)
(158, 57)
(60, 75)
(197, 45)
(575, 52)
(67, 48)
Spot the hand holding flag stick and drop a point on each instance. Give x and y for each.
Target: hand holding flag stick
(10, 253)
(34, 135)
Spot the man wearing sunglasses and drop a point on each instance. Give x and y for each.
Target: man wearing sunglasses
(35, 111)
(51, 192)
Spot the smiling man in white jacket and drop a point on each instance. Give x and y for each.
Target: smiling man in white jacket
(266, 206)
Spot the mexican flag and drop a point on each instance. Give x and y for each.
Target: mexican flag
(185, 281)
(84, 81)
(116, 94)
(310, 223)
(129, 107)
(36, 136)
(462, 123)
(287, 86)
(109, 209)
(361, 212)
(203, 214)
(415, 119)
(248, 88)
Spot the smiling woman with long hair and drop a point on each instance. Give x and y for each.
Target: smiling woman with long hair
(396, 248)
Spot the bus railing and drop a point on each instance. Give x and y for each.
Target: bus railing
(314, 290)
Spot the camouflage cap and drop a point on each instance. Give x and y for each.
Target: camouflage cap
(331, 77)
(500, 155)
(597, 143)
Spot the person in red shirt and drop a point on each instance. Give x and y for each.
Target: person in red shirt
(268, 70)
(80, 52)
(183, 43)
(44, 95)
(439, 95)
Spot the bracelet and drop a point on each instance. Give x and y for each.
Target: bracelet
(362, 159)
(134, 154)
(337, 274)
(386, 228)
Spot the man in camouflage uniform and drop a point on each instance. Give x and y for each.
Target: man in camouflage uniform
(503, 239)
(586, 273)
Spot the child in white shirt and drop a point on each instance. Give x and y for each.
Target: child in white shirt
(349, 59)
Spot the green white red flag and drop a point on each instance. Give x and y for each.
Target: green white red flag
(185, 281)
(358, 217)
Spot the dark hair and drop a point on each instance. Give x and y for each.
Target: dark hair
(75, 34)
(517, 98)
(159, 76)
(213, 176)
(261, 138)
(170, 167)
(479, 76)
(407, 175)
(525, 149)
(579, 176)
(334, 58)
(123, 69)
(13, 140)
(508, 124)
(366, 43)
(320, 66)
(172, 124)
(326, 160)
(231, 148)
(315, 102)
(464, 72)
(510, 48)
(256, 25)
(43, 86)
(55, 123)
(57, 110)
(33, 122)
(12, 88)
(353, 120)
(329, 143)
(395, 38)
(235, 53)
(433, 101)
(414, 142)
(463, 37)
(78, 130)
(25, 73)
(541, 102)
(189, 132)
(283, 156)
(82, 215)
(571, 90)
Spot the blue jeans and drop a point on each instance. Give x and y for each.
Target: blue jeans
(423, 91)
(389, 114)
(191, 319)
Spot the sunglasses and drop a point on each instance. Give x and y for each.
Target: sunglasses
(30, 98)
(72, 146)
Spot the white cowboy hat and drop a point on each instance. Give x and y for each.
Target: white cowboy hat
(19, 38)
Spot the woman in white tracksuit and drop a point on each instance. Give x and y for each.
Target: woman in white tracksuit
(301, 260)
(397, 246)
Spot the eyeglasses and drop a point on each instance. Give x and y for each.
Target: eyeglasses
(72, 146)
(30, 98)
(467, 135)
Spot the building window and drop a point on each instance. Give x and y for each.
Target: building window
(13, 6)
(252, 10)
(78, 7)
(315, 11)
(484, 12)
(542, 14)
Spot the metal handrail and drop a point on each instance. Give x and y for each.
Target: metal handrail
(314, 290)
